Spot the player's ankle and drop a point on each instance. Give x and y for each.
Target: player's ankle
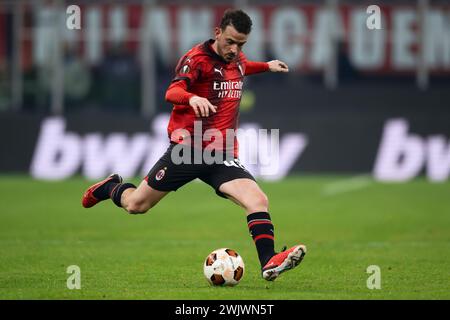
(116, 194)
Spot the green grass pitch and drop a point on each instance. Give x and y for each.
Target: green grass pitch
(402, 228)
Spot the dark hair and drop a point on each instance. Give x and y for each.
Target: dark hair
(238, 19)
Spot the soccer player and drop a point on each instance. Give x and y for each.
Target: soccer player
(206, 91)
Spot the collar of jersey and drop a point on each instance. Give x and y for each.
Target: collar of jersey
(208, 47)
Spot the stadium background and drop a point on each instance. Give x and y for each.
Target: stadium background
(366, 107)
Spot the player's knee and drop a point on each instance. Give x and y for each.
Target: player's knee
(137, 207)
(259, 202)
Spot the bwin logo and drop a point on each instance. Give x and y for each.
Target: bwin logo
(61, 153)
(402, 155)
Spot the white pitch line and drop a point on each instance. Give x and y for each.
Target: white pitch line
(347, 185)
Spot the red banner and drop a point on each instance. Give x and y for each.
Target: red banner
(299, 35)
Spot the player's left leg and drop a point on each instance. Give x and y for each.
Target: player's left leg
(246, 193)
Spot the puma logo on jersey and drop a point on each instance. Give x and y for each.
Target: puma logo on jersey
(218, 71)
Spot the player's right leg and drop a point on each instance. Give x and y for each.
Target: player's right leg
(100, 191)
(141, 199)
(164, 177)
(126, 195)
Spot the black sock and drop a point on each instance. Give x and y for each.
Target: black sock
(104, 192)
(116, 192)
(261, 230)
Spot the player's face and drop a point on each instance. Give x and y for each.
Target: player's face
(229, 42)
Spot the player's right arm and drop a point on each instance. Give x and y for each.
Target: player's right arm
(177, 94)
(186, 73)
(201, 106)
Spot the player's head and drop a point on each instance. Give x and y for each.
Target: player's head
(232, 33)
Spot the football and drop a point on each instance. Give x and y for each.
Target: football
(223, 267)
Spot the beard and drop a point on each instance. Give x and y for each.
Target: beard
(228, 57)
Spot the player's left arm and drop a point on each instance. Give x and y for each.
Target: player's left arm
(253, 67)
(278, 66)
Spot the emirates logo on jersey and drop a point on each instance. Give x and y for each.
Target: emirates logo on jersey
(228, 89)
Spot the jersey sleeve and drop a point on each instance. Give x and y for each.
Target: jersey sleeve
(188, 69)
(253, 67)
(177, 94)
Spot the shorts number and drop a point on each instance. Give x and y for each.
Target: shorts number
(234, 163)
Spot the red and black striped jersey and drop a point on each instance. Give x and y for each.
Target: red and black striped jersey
(209, 76)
